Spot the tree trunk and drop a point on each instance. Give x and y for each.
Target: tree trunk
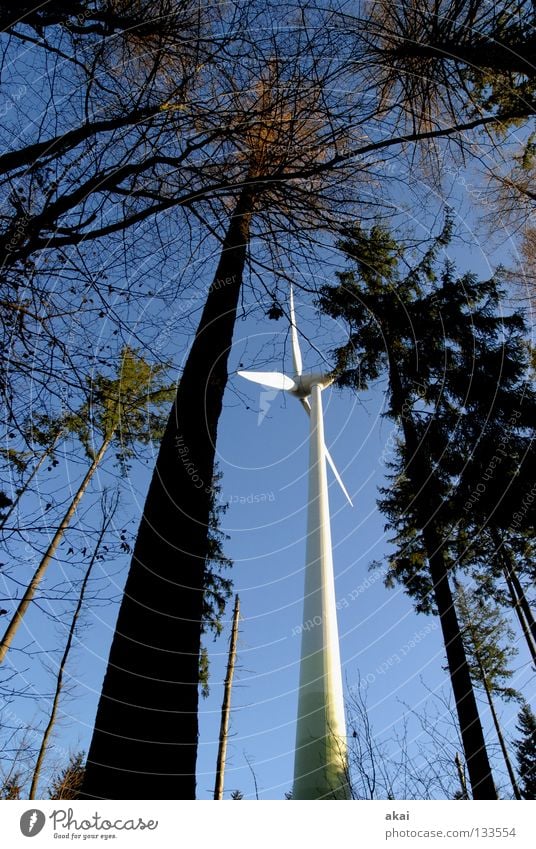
(517, 593)
(63, 662)
(476, 756)
(516, 57)
(144, 742)
(522, 598)
(520, 615)
(29, 593)
(474, 745)
(498, 729)
(226, 705)
(461, 776)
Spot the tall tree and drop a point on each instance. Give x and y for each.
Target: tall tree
(485, 633)
(121, 410)
(526, 752)
(446, 57)
(287, 138)
(226, 705)
(419, 328)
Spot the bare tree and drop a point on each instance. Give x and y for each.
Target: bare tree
(400, 765)
(108, 511)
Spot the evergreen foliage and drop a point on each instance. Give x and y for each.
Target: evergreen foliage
(526, 752)
(68, 782)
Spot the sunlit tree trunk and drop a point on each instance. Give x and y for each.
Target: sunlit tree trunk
(226, 706)
(39, 573)
(63, 662)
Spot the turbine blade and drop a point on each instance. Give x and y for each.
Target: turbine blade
(307, 407)
(271, 379)
(296, 352)
(337, 475)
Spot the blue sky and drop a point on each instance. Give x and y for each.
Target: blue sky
(382, 639)
(264, 469)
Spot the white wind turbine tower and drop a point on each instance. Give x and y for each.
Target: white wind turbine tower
(320, 762)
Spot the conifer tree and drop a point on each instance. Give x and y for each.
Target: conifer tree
(457, 369)
(489, 643)
(67, 784)
(423, 330)
(526, 752)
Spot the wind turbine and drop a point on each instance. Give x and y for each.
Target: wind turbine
(320, 762)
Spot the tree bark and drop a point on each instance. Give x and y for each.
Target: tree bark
(29, 593)
(226, 706)
(514, 58)
(144, 742)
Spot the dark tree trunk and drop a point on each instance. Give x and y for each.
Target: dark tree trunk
(520, 593)
(517, 593)
(515, 58)
(419, 470)
(500, 735)
(144, 743)
(474, 745)
(520, 614)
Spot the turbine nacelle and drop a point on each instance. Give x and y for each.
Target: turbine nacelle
(300, 385)
(303, 383)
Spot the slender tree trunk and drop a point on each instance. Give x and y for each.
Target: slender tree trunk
(517, 593)
(522, 598)
(476, 756)
(461, 776)
(520, 615)
(64, 659)
(48, 451)
(144, 743)
(498, 729)
(226, 705)
(29, 593)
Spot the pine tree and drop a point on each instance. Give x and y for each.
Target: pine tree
(421, 328)
(11, 789)
(526, 752)
(67, 784)
(237, 794)
(489, 643)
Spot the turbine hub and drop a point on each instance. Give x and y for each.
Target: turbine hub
(305, 382)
